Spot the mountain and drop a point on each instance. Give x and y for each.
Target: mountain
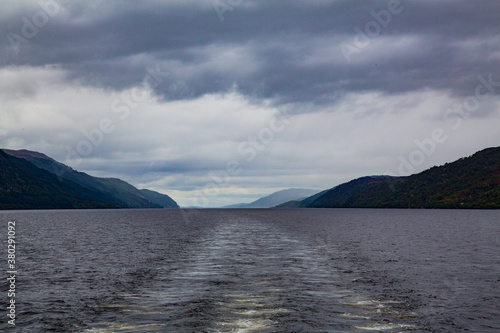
(25, 186)
(370, 191)
(301, 203)
(277, 198)
(472, 182)
(112, 191)
(158, 198)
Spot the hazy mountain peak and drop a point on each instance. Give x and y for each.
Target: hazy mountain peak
(277, 198)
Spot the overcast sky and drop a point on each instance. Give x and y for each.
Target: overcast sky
(216, 102)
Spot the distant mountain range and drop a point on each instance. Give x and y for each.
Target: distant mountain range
(31, 180)
(472, 182)
(277, 198)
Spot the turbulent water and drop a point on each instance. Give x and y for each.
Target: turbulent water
(333, 270)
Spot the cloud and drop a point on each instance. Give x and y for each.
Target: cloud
(211, 86)
(290, 52)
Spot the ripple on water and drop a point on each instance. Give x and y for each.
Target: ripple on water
(123, 327)
(248, 313)
(376, 315)
(385, 327)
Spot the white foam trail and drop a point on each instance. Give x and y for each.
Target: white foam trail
(239, 325)
(248, 313)
(368, 309)
(383, 327)
(354, 316)
(123, 327)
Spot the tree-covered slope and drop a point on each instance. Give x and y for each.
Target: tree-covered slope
(159, 198)
(117, 191)
(472, 182)
(25, 186)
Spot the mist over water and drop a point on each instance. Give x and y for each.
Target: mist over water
(324, 270)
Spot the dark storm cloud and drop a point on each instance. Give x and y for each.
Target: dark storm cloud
(287, 51)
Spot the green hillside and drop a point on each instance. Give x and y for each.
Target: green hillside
(158, 198)
(472, 182)
(25, 186)
(116, 191)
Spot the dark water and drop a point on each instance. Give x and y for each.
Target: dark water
(311, 270)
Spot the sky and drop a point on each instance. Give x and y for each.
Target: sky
(217, 102)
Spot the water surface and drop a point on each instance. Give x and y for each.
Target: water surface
(312, 270)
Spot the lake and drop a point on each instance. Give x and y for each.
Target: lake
(291, 270)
